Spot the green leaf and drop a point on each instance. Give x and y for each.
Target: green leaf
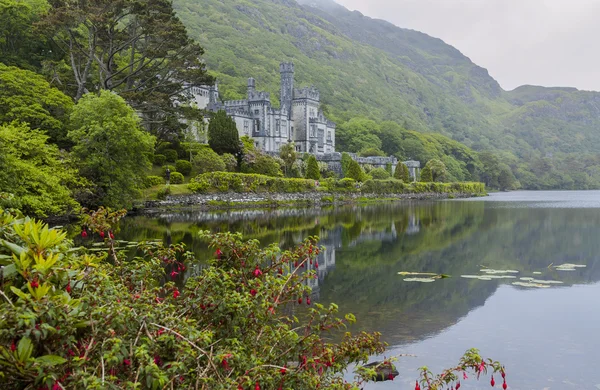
(8, 271)
(50, 360)
(24, 349)
(14, 248)
(18, 292)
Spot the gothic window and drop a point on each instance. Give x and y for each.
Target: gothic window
(277, 127)
(329, 136)
(313, 130)
(256, 112)
(257, 126)
(246, 127)
(283, 128)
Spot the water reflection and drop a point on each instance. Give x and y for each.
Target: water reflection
(367, 246)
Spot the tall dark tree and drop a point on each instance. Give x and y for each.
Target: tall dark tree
(401, 173)
(223, 135)
(139, 49)
(312, 168)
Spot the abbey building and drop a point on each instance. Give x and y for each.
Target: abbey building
(298, 120)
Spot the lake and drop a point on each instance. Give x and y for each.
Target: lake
(548, 338)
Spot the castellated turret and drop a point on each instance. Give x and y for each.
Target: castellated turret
(287, 85)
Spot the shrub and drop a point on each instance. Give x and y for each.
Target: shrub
(171, 168)
(379, 174)
(241, 182)
(401, 173)
(426, 176)
(160, 159)
(184, 167)
(390, 186)
(346, 161)
(230, 162)
(176, 178)
(266, 165)
(153, 181)
(355, 171)
(435, 170)
(206, 160)
(312, 168)
(163, 193)
(171, 155)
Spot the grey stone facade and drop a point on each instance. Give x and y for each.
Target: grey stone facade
(299, 118)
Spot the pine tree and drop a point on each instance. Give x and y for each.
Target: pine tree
(223, 135)
(401, 173)
(426, 176)
(346, 160)
(355, 171)
(312, 169)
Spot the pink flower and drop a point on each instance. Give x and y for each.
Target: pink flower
(253, 292)
(218, 253)
(68, 288)
(84, 234)
(504, 385)
(13, 346)
(102, 235)
(257, 272)
(465, 377)
(458, 386)
(257, 386)
(111, 235)
(127, 362)
(493, 382)
(417, 387)
(174, 274)
(176, 293)
(300, 300)
(308, 300)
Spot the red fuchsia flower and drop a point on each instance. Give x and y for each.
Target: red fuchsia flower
(13, 347)
(504, 385)
(257, 386)
(481, 367)
(465, 376)
(160, 331)
(257, 272)
(308, 300)
(283, 370)
(218, 253)
(127, 362)
(56, 386)
(34, 283)
(316, 265)
(391, 376)
(493, 382)
(68, 288)
(83, 234)
(457, 385)
(101, 234)
(271, 310)
(176, 293)
(503, 374)
(300, 300)
(280, 271)
(253, 292)
(295, 264)
(111, 235)
(417, 387)
(157, 360)
(174, 274)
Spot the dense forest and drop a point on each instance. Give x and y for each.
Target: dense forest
(371, 69)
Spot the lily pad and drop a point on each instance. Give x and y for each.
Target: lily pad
(422, 280)
(479, 277)
(497, 271)
(527, 284)
(537, 273)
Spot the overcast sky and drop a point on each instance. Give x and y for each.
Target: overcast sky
(539, 42)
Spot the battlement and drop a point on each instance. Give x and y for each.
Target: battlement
(286, 67)
(331, 124)
(259, 95)
(307, 93)
(231, 103)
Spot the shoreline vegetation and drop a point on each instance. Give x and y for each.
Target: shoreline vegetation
(219, 190)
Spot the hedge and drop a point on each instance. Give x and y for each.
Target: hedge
(176, 178)
(240, 182)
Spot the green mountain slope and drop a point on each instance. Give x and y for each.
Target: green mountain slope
(372, 69)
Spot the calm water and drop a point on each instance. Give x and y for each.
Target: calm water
(547, 338)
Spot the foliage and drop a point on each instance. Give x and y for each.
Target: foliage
(436, 171)
(184, 167)
(372, 152)
(266, 165)
(426, 175)
(177, 178)
(110, 147)
(380, 174)
(355, 171)
(26, 97)
(346, 161)
(171, 155)
(41, 178)
(401, 173)
(230, 162)
(288, 154)
(206, 160)
(159, 159)
(113, 45)
(240, 182)
(312, 168)
(153, 181)
(223, 136)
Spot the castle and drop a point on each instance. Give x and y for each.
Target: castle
(299, 119)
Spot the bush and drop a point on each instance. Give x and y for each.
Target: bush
(163, 193)
(390, 186)
(206, 160)
(346, 161)
(160, 159)
(184, 167)
(355, 171)
(176, 178)
(266, 165)
(230, 162)
(171, 168)
(171, 155)
(401, 173)
(312, 168)
(379, 174)
(241, 183)
(153, 181)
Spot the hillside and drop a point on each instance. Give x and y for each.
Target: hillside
(370, 68)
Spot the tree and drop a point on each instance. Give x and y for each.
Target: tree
(490, 169)
(111, 148)
(357, 134)
(401, 173)
(207, 160)
(355, 171)
(139, 49)
(346, 161)
(40, 178)
(436, 169)
(26, 97)
(372, 152)
(223, 136)
(506, 178)
(312, 168)
(379, 174)
(288, 154)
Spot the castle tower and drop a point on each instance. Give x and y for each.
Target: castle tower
(213, 94)
(251, 86)
(287, 85)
